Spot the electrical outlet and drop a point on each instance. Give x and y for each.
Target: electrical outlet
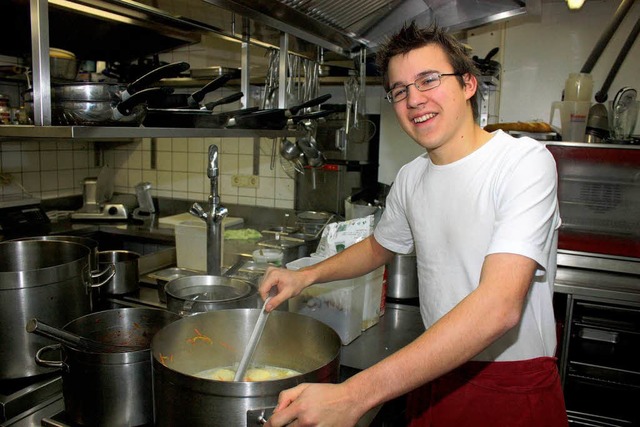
(248, 181)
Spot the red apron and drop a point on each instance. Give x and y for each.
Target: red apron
(523, 393)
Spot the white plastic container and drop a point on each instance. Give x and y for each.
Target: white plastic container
(338, 304)
(191, 245)
(372, 283)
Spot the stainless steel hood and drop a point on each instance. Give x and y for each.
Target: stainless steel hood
(347, 26)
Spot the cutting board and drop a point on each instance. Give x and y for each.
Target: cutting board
(171, 221)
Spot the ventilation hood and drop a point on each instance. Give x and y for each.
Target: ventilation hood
(347, 26)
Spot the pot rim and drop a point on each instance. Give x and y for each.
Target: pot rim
(34, 276)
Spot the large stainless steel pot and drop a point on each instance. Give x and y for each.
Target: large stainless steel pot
(50, 280)
(201, 293)
(85, 241)
(402, 279)
(217, 339)
(109, 389)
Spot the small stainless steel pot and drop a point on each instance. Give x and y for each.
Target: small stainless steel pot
(292, 248)
(217, 339)
(127, 277)
(402, 279)
(109, 389)
(197, 294)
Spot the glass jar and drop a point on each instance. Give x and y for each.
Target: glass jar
(5, 111)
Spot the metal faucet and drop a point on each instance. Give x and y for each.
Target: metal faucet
(214, 217)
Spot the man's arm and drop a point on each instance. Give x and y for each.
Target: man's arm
(476, 322)
(355, 261)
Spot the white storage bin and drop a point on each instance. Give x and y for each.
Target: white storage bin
(372, 283)
(338, 304)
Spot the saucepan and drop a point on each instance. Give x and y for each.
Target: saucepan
(108, 388)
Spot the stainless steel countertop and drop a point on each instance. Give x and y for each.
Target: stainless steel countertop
(399, 325)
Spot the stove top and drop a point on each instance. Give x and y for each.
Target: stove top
(30, 399)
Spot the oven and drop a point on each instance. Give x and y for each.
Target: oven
(597, 286)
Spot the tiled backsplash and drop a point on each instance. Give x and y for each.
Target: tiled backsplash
(57, 169)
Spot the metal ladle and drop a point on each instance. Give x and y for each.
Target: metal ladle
(76, 341)
(289, 150)
(253, 340)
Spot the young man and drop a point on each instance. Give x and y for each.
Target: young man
(481, 212)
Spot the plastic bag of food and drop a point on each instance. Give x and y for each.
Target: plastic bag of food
(338, 236)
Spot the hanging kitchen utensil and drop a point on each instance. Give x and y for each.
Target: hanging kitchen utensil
(193, 100)
(362, 131)
(289, 150)
(487, 66)
(75, 341)
(291, 167)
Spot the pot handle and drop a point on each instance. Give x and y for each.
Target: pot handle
(111, 268)
(50, 363)
(187, 309)
(259, 416)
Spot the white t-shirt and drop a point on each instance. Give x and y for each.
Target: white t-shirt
(499, 199)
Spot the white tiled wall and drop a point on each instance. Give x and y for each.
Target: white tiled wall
(181, 170)
(45, 169)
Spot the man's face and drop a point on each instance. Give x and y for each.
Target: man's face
(438, 116)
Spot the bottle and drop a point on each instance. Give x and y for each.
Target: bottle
(578, 87)
(5, 111)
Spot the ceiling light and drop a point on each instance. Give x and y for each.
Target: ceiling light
(575, 4)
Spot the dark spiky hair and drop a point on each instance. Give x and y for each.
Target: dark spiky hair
(411, 37)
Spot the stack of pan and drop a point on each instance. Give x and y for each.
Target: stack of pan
(249, 118)
(106, 104)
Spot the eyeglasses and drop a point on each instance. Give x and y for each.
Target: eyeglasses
(424, 83)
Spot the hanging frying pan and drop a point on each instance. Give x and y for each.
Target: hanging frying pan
(256, 120)
(193, 100)
(193, 118)
(276, 118)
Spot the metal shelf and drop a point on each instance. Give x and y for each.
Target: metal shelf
(127, 133)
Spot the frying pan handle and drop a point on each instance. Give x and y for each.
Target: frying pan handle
(210, 87)
(310, 103)
(169, 70)
(226, 100)
(153, 93)
(312, 116)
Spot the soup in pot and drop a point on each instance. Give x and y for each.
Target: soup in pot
(261, 373)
